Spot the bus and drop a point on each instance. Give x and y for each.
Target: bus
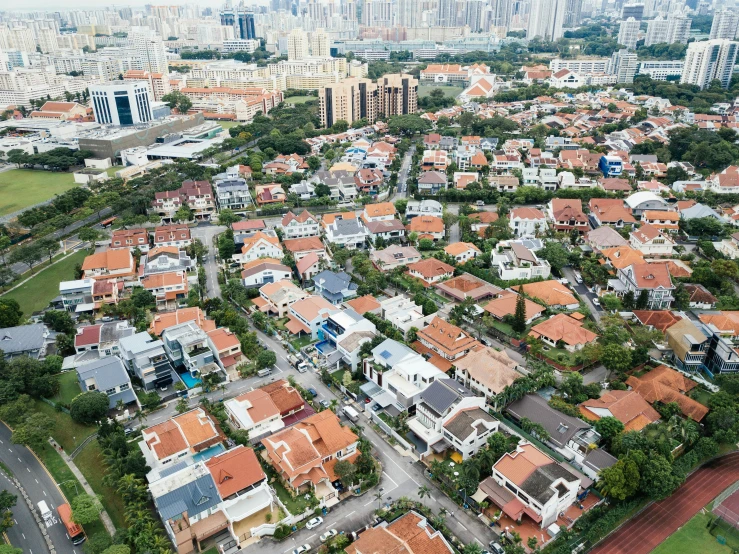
(107, 222)
(74, 531)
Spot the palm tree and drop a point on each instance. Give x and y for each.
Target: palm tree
(141, 416)
(684, 430)
(378, 496)
(423, 491)
(333, 405)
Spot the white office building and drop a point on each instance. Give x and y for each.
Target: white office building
(628, 33)
(121, 102)
(546, 19)
(709, 60)
(661, 70)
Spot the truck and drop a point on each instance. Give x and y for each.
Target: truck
(351, 413)
(46, 514)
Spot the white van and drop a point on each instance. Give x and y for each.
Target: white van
(264, 372)
(578, 278)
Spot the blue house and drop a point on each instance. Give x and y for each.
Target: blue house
(107, 375)
(611, 166)
(335, 287)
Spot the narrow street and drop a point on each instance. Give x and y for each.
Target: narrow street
(205, 233)
(584, 293)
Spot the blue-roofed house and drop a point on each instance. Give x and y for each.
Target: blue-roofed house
(107, 375)
(334, 287)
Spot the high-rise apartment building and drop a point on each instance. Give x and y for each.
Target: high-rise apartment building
(121, 103)
(46, 39)
(409, 13)
(500, 13)
(22, 39)
(628, 33)
(473, 11)
(398, 94)
(297, 45)
(676, 28)
(725, 24)
(635, 10)
(241, 21)
(377, 13)
(320, 45)
(573, 13)
(709, 60)
(446, 13)
(149, 49)
(546, 19)
(158, 82)
(623, 65)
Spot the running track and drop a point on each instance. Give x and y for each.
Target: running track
(642, 534)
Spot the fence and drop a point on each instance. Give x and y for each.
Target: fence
(390, 431)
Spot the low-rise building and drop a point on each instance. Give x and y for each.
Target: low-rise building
(107, 375)
(169, 289)
(527, 222)
(394, 256)
(627, 406)
(350, 233)
(462, 251)
(263, 271)
(487, 372)
(651, 241)
(403, 313)
(427, 227)
(187, 347)
(261, 244)
(423, 207)
(307, 315)
(563, 331)
(410, 534)
(334, 287)
(146, 358)
(430, 270)
(172, 235)
(262, 411)
(131, 239)
(519, 262)
(432, 182)
(109, 264)
(567, 215)
(447, 340)
(277, 297)
(227, 347)
(551, 293)
(302, 247)
(302, 225)
(653, 278)
(165, 259)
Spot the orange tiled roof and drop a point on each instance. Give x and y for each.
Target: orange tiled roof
(665, 385)
(552, 293)
(163, 321)
(562, 327)
(111, 260)
(626, 406)
(363, 304)
(235, 470)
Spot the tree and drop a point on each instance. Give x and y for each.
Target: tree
(29, 255)
(10, 313)
(616, 358)
(610, 302)
(34, 431)
(423, 492)
(314, 163)
(49, 246)
(89, 407)
(621, 480)
(7, 501)
(519, 317)
(658, 480)
(227, 217)
(643, 300)
(8, 549)
(176, 99)
(117, 549)
(226, 245)
(608, 427)
(86, 509)
(346, 471)
(472, 548)
(60, 321)
(182, 406)
(88, 234)
(346, 379)
(4, 247)
(266, 358)
(555, 253)
(183, 214)
(682, 297)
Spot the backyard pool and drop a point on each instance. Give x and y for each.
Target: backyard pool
(190, 381)
(208, 453)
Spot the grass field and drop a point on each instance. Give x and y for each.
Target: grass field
(449, 90)
(300, 99)
(90, 462)
(68, 388)
(691, 538)
(68, 433)
(21, 188)
(37, 292)
(228, 124)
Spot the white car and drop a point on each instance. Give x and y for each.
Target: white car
(328, 534)
(313, 523)
(301, 549)
(596, 302)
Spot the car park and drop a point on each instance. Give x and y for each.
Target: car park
(328, 534)
(313, 523)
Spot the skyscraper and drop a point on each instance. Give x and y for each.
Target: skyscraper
(546, 19)
(709, 60)
(500, 13)
(623, 65)
(297, 45)
(398, 94)
(320, 45)
(573, 13)
(446, 15)
(241, 21)
(628, 33)
(473, 15)
(725, 24)
(409, 13)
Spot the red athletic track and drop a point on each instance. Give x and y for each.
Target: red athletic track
(642, 534)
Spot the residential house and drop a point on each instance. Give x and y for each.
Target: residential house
(277, 297)
(431, 182)
(527, 482)
(76, 294)
(107, 375)
(262, 244)
(689, 344)
(427, 226)
(392, 229)
(435, 160)
(131, 239)
(263, 271)
(308, 267)
(196, 195)
(102, 338)
(187, 347)
(172, 235)
(165, 259)
(227, 347)
(467, 286)
(167, 319)
(369, 180)
(247, 228)
(447, 340)
(480, 221)
(264, 410)
(145, 358)
(487, 372)
(267, 195)
(334, 287)
(627, 406)
(305, 454)
(700, 297)
(109, 264)
(232, 192)
(451, 417)
(563, 331)
(729, 247)
(403, 313)
(307, 315)
(665, 385)
(462, 251)
(662, 220)
(642, 201)
(604, 237)
(650, 240)
(343, 333)
(298, 226)
(300, 248)
(350, 233)
(614, 184)
(519, 262)
(527, 222)
(409, 534)
(653, 278)
(552, 293)
(567, 215)
(423, 207)
(505, 305)
(430, 270)
(364, 304)
(169, 289)
(610, 211)
(180, 438)
(394, 256)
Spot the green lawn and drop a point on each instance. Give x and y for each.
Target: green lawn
(299, 343)
(36, 293)
(21, 188)
(300, 99)
(295, 505)
(561, 356)
(228, 124)
(702, 396)
(449, 90)
(66, 432)
(68, 388)
(90, 462)
(693, 537)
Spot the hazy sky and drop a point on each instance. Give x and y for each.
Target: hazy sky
(61, 5)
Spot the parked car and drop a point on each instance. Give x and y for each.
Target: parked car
(376, 408)
(324, 403)
(301, 549)
(313, 392)
(313, 523)
(328, 534)
(578, 278)
(596, 302)
(496, 548)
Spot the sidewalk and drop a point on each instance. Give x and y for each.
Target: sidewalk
(104, 517)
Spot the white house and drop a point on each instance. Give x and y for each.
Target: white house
(520, 263)
(527, 222)
(299, 226)
(651, 241)
(403, 313)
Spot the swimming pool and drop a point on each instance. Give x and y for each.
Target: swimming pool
(189, 380)
(208, 453)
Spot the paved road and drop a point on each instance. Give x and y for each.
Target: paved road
(205, 233)
(25, 532)
(39, 486)
(584, 293)
(402, 188)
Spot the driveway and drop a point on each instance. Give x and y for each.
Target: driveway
(205, 232)
(39, 486)
(584, 293)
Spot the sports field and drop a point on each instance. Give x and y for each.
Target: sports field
(300, 99)
(228, 124)
(449, 90)
(693, 537)
(21, 188)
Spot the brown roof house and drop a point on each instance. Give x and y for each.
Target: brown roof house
(467, 286)
(430, 270)
(665, 385)
(653, 278)
(487, 372)
(447, 340)
(564, 331)
(552, 293)
(409, 534)
(626, 406)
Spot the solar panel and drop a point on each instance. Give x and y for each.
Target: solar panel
(385, 354)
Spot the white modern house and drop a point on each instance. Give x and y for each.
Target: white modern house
(520, 263)
(403, 313)
(527, 222)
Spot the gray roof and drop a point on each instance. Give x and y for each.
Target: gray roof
(432, 178)
(195, 497)
(108, 372)
(539, 484)
(115, 330)
(347, 227)
(598, 459)
(561, 427)
(333, 282)
(699, 210)
(462, 425)
(391, 352)
(443, 394)
(15, 340)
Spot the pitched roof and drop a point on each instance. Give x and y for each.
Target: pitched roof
(431, 267)
(561, 427)
(650, 276)
(381, 209)
(184, 431)
(304, 216)
(458, 248)
(111, 259)
(723, 321)
(363, 304)
(659, 319)
(303, 244)
(506, 305)
(700, 294)
(162, 321)
(235, 470)
(562, 327)
(493, 369)
(626, 406)
(527, 213)
(446, 336)
(623, 256)
(426, 224)
(664, 384)
(285, 396)
(552, 293)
